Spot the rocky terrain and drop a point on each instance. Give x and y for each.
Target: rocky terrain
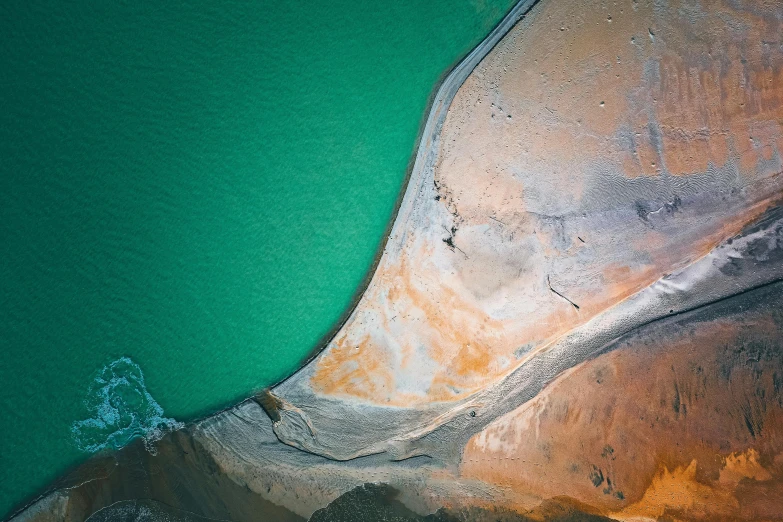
(577, 314)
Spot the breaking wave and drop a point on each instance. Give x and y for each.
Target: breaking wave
(120, 410)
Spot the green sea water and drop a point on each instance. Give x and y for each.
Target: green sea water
(190, 195)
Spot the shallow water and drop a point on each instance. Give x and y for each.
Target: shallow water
(200, 187)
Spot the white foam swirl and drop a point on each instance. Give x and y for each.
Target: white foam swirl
(121, 409)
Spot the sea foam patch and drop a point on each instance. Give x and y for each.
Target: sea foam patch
(121, 409)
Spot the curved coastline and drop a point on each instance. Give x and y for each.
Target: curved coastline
(440, 98)
(399, 429)
(433, 116)
(295, 448)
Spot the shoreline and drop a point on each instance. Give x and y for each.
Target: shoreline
(438, 103)
(414, 172)
(679, 275)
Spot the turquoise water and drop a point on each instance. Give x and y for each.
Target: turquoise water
(197, 187)
(121, 410)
